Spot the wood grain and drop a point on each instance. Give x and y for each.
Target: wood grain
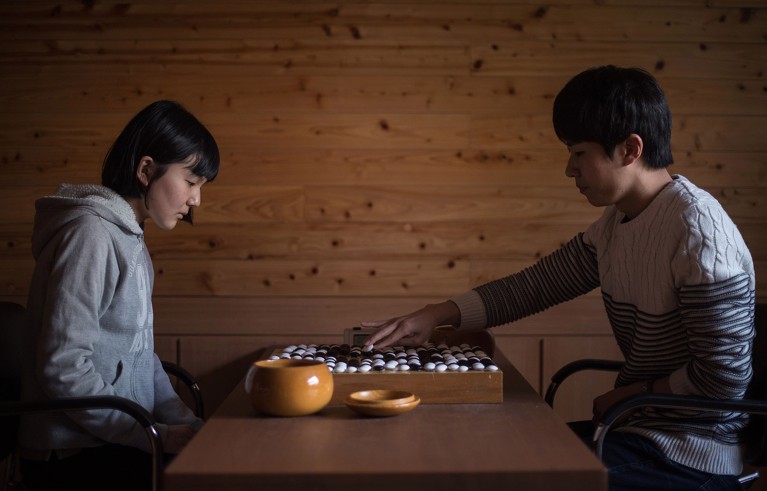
(501, 445)
(376, 154)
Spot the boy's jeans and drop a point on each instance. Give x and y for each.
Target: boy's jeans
(634, 463)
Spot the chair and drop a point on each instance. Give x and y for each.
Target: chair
(190, 383)
(755, 403)
(12, 319)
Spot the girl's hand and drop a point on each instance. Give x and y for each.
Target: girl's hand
(178, 437)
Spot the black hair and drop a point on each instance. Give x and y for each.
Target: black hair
(167, 133)
(606, 104)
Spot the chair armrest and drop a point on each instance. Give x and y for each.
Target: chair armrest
(188, 380)
(67, 404)
(670, 401)
(577, 366)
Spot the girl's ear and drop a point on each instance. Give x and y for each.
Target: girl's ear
(145, 170)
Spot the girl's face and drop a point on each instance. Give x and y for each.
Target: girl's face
(170, 196)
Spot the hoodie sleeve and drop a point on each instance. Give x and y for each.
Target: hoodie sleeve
(169, 408)
(81, 282)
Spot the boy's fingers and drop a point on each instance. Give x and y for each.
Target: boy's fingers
(375, 338)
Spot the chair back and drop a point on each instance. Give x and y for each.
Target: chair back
(12, 321)
(756, 432)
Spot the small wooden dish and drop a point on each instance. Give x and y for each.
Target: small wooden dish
(382, 402)
(381, 396)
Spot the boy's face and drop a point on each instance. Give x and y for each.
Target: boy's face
(598, 176)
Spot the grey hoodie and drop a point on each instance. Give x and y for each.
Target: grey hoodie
(91, 325)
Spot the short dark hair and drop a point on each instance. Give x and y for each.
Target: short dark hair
(167, 133)
(606, 104)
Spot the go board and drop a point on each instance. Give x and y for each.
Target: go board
(438, 374)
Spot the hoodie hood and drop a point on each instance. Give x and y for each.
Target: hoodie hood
(72, 201)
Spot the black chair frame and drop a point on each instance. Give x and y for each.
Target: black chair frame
(578, 366)
(10, 405)
(190, 382)
(68, 404)
(669, 401)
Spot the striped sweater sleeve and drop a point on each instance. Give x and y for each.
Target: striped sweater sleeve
(562, 275)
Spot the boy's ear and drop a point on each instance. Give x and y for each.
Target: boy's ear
(145, 170)
(634, 146)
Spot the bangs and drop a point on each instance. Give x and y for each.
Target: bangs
(205, 165)
(590, 115)
(204, 156)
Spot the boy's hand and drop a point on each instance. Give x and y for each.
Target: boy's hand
(412, 329)
(608, 399)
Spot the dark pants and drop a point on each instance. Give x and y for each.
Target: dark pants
(634, 463)
(110, 467)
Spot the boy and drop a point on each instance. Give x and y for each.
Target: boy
(676, 277)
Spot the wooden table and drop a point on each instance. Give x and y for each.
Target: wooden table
(518, 444)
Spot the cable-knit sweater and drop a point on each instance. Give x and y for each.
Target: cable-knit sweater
(678, 287)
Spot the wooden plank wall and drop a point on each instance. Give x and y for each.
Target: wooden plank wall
(377, 155)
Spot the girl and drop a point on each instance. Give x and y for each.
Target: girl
(90, 309)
